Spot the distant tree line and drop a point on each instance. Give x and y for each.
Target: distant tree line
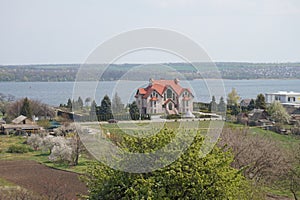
(67, 72)
(108, 109)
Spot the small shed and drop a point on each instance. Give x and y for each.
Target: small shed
(21, 120)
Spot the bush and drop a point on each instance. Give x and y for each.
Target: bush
(18, 149)
(173, 116)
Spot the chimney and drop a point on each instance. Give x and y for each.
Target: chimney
(176, 80)
(151, 81)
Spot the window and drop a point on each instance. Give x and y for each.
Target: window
(165, 96)
(170, 106)
(169, 94)
(291, 99)
(187, 103)
(173, 97)
(154, 103)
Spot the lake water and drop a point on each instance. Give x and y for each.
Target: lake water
(54, 93)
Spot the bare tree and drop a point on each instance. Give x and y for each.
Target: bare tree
(260, 157)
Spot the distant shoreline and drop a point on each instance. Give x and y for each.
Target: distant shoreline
(227, 70)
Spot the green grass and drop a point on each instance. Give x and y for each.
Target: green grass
(38, 156)
(5, 183)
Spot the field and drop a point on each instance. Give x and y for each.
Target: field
(40, 179)
(34, 172)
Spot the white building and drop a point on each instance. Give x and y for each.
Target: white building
(285, 98)
(164, 96)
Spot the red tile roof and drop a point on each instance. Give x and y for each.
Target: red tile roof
(160, 86)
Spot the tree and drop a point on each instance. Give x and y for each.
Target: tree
(251, 105)
(222, 105)
(213, 105)
(233, 98)
(26, 108)
(260, 102)
(105, 109)
(189, 177)
(69, 104)
(117, 105)
(134, 111)
(259, 158)
(80, 103)
(278, 113)
(87, 101)
(37, 108)
(93, 111)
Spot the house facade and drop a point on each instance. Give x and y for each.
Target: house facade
(286, 98)
(164, 96)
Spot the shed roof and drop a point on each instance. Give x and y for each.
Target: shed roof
(19, 119)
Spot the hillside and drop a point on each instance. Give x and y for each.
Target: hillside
(228, 70)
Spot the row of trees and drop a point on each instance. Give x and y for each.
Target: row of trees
(108, 109)
(65, 147)
(27, 107)
(189, 177)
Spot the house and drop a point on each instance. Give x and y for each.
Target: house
(256, 117)
(285, 98)
(245, 102)
(164, 96)
(20, 124)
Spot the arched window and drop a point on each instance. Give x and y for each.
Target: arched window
(170, 106)
(169, 93)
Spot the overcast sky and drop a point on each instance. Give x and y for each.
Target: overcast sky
(66, 31)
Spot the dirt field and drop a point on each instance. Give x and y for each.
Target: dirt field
(42, 180)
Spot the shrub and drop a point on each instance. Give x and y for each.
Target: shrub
(174, 116)
(18, 149)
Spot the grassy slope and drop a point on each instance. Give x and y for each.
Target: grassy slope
(286, 141)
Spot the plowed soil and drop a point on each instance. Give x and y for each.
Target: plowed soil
(42, 180)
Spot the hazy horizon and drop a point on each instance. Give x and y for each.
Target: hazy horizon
(41, 32)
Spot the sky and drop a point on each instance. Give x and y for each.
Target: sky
(67, 31)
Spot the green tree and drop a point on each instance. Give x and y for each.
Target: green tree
(117, 105)
(80, 103)
(26, 108)
(105, 112)
(278, 113)
(251, 105)
(93, 111)
(233, 98)
(189, 177)
(134, 111)
(222, 105)
(260, 102)
(213, 105)
(69, 104)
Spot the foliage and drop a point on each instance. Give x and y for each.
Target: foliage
(44, 123)
(26, 109)
(222, 105)
(34, 141)
(251, 105)
(233, 98)
(36, 108)
(18, 149)
(104, 112)
(213, 105)
(278, 113)
(117, 105)
(260, 102)
(189, 177)
(134, 111)
(260, 158)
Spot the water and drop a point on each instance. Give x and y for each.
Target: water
(54, 93)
